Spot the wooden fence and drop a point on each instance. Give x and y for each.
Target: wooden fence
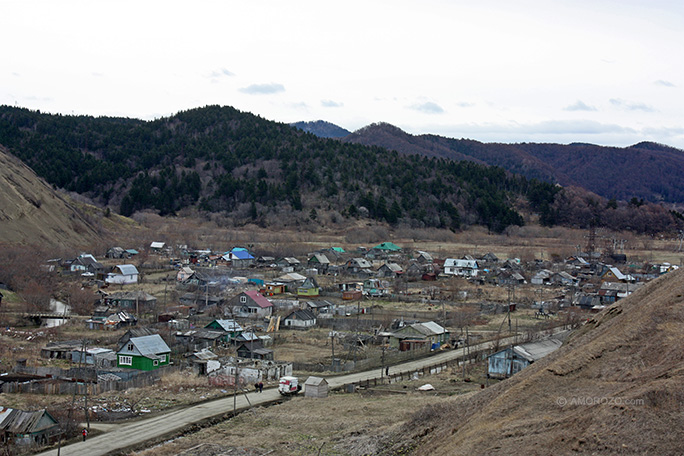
(62, 386)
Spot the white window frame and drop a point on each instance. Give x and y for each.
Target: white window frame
(155, 362)
(125, 360)
(243, 299)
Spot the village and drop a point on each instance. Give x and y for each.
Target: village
(235, 318)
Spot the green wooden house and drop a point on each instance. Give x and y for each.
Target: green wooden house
(144, 353)
(231, 328)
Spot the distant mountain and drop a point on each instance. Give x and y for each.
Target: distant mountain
(322, 129)
(648, 171)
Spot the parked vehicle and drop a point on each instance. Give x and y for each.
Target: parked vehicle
(289, 386)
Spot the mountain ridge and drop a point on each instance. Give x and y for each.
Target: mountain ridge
(645, 170)
(217, 159)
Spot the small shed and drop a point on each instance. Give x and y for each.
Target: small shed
(316, 387)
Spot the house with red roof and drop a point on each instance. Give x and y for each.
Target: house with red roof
(250, 304)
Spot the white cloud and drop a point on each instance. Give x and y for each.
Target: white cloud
(428, 108)
(263, 89)
(663, 83)
(221, 72)
(630, 105)
(331, 104)
(579, 106)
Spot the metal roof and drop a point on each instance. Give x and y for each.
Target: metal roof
(228, 325)
(127, 269)
(428, 328)
(241, 255)
(536, 350)
(259, 299)
(150, 345)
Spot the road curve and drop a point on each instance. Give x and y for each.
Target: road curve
(133, 434)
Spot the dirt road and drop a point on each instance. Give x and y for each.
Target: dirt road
(117, 439)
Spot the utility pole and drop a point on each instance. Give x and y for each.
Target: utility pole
(356, 341)
(235, 385)
(511, 289)
(332, 345)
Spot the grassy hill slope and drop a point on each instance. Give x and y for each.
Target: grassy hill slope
(616, 387)
(31, 212)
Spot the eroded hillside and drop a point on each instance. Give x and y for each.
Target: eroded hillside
(31, 212)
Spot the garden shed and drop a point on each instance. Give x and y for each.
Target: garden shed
(316, 387)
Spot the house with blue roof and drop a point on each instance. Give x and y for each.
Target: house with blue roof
(239, 257)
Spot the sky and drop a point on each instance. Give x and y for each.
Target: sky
(605, 72)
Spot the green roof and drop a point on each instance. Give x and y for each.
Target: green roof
(387, 246)
(337, 249)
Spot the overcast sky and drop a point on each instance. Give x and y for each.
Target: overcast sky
(597, 71)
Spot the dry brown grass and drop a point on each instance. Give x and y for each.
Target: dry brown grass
(342, 424)
(627, 360)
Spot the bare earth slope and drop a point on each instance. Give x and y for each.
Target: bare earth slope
(31, 212)
(615, 387)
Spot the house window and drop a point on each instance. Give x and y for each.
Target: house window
(155, 362)
(130, 347)
(163, 358)
(125, 360)
(243, 299)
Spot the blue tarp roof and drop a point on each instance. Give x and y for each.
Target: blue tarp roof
(242, 255)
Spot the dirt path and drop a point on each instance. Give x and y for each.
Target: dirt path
(119, 438)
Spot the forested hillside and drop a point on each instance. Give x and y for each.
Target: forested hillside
(218, 159)
(647, 171)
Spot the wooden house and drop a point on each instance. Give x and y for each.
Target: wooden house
(26, 428)
(299, 319)
(288, 264)
(358, 265)
(613, 274)
(461, 268)
(231, 328)
(430, 331)
(509, 277)
(199, 339)
(254, 351)
(511, 360)
(309, 288)
(383, 250)
(144, 353)
(272, 288)
(320, 262)
(131, 300)
(565, 279)
(424, 257)
(184, 273)
(239, 258)
(389, 270)
(542, 277)
(250, 304)
(123, 274)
